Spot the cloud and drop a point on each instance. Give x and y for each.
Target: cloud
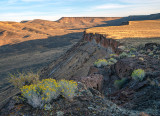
(110, 6)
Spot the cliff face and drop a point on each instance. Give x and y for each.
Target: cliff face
(77, 60)
(103, 42)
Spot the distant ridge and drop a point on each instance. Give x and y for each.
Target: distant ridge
(132, 18)
(14, 32)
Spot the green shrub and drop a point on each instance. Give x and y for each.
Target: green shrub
(123, 55)
(39, 94)
(68, 88)
(138, 74)
(112, 60)
(120, 83)
(101, 62)
(21, 79)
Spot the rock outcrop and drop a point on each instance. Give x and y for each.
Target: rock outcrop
(94, 81)
(81, 56)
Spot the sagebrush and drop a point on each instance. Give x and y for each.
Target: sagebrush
(138, 74)
(21, 79)
(68, 88)
(46, 90)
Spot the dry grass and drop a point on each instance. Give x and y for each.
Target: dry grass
(21, 79)
(135, 29)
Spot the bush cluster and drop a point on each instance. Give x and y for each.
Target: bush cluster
(48, 89)
(103, 62)
(67, 88)
(138, 74)
(21, 79)
(123, 55)
(112, 60)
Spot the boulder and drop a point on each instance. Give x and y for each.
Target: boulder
(93, 81)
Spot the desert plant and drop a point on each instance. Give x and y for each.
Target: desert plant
(123, 55)
(101, 62)
(21, 79)
(39, 94)
(120, 83)
(68, 88)
(138, 74)
(112, 60)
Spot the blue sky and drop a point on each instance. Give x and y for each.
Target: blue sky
(17, 10)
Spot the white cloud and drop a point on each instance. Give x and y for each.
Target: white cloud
(110, 6)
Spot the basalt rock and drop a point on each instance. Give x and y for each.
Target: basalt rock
(93, 81)
(80, 57)
(136, 95)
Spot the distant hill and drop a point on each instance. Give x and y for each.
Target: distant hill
(14, 32)
(131, 18)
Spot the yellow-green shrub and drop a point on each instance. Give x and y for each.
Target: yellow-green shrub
(21, 79)
(112, 60)
(48, 89)
(123, 55)
(39, 94)
(68, 88)
(101, 62)
(138, 74)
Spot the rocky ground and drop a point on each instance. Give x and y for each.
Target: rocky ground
(134, 95)
(98, 95)
(87, 102)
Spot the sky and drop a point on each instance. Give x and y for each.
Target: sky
(18, 10)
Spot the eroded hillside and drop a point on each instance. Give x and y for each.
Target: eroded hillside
(14, 32)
